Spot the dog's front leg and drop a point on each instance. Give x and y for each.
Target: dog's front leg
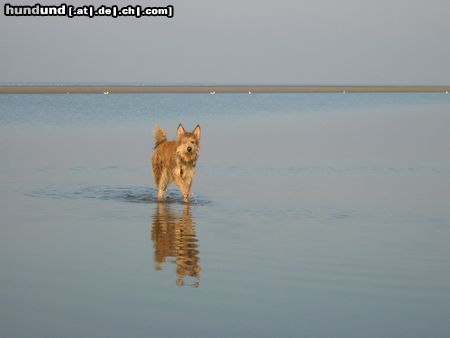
(184, 187)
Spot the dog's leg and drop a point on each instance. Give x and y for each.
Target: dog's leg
(188, 184)
(184, 188)
(161, 194)
(162, 185)
(161, 177)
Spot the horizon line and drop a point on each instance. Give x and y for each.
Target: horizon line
(82, 88)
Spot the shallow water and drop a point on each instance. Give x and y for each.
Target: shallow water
(312, 215)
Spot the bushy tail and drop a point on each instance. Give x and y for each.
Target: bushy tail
(159, 136)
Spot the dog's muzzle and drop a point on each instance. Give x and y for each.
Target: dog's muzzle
(189, 149)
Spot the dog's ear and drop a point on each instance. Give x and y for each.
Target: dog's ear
(180, 131)
(197, 132)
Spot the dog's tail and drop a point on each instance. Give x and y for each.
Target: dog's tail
(159, 136)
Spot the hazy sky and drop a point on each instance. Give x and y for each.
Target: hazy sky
(257, 41)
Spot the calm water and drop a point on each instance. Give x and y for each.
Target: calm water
(313, 215)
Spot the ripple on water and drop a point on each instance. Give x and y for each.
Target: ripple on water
(131, 194)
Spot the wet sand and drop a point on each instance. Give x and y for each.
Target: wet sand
(64, 89)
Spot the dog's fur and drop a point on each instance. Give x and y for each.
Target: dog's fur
(174, 161)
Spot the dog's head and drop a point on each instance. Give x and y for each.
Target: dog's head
(188, 143)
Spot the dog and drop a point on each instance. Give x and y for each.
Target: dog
(174, 161)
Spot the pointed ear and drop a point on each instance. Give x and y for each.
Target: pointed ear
(197, 132)
(180, 131)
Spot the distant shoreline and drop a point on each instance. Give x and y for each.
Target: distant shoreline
(216, 89)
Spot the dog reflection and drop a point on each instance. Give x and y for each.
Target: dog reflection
(174, 240)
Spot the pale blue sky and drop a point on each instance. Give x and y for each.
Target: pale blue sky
(284, 41)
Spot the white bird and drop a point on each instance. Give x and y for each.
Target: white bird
(249, 92)
(106, 93)
(446, 92)
(212, 92)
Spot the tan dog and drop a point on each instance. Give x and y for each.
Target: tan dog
(174, 161)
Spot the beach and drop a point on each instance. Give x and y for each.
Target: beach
(74, 89)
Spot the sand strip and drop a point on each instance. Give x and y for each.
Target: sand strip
(217, 89)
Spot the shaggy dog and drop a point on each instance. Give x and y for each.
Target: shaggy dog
(174, 161)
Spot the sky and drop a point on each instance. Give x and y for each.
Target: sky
(404, 42)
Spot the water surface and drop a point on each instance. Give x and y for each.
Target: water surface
(312, 215)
